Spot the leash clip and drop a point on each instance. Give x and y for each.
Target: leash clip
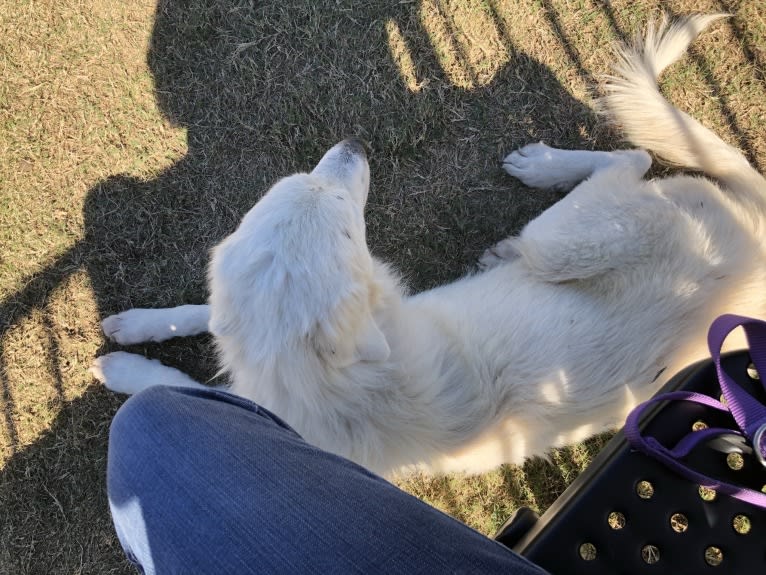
(759, 444)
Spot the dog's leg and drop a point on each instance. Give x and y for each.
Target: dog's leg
(140, 325)
(611, 221)
(130, 373)
(540, 166)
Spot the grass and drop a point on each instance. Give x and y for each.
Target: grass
(134, 136)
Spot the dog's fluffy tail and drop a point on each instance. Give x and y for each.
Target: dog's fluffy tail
(633, 101)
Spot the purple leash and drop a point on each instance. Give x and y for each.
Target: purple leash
(748, 412)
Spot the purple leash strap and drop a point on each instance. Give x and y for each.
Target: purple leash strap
(748, 412)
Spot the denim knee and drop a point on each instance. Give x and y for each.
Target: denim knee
(142, 408)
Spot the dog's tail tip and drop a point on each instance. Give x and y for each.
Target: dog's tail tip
(632, 100)
(662, 44)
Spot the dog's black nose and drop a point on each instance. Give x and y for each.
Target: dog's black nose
(355, 146)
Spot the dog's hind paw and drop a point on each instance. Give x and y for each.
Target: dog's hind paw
(502, 252)
(540, 166)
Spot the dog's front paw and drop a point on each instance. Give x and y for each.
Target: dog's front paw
(540, 166)
(134, 326)
(124, 372)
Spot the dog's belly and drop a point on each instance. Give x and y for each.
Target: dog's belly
(570, 348)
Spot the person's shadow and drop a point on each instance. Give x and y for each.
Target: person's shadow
(263, 90)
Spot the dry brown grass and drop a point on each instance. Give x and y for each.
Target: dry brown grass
(134, 137)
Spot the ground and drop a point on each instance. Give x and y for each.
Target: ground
(133, 136)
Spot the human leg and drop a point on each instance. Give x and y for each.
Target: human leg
(203, 481)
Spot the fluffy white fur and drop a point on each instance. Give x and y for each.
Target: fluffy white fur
(595, 304)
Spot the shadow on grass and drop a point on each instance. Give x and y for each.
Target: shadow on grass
(263, 90)
(55, 514)
(755, 56)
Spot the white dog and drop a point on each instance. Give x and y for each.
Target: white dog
(590, 309)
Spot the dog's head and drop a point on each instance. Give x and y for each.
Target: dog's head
(297, 272)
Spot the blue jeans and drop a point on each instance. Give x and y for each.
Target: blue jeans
(206, 482)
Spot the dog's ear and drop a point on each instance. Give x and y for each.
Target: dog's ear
(231, 292)
(351, 339)
(371, 344)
